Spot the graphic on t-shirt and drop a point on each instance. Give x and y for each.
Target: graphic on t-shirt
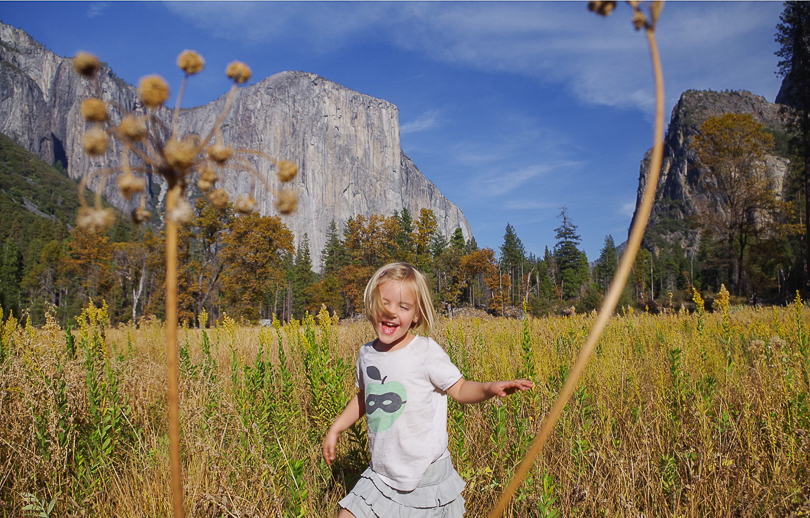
(385, 402)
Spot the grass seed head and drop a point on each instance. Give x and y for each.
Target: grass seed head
(601, 8)
(245, 204)
(208, 178)
(239, 72)
(182, 213)
(190, 62)
(286, 201)
(140, 215)
(132, 128)
(180, 154)
(204, 185)
(154, 91)
(94, 110)
(129, 184)
(219, 198)
(639, 19)
(94, 141)
(209, 175)
(95, 220)
(287, 171)
(219, 153)
(86, 64)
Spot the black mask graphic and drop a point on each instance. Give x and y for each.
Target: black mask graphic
(389, 402)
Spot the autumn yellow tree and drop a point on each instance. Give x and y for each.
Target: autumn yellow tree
(742, 203)
(89, 261)
(371, 241)
(254, 253)
(131, 259)
(479, 269)
(203, 240)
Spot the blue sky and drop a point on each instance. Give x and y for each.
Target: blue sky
(513, 109)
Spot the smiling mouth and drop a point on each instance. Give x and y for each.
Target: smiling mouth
(389, 328)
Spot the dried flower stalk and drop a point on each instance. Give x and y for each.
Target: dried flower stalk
(176, 159)
(640, 20)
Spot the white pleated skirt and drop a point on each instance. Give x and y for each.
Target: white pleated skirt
(438, 495)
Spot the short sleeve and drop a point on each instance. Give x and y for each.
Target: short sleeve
(441, 370)
(359, 379)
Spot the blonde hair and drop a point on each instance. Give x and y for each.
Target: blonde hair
(401, 272)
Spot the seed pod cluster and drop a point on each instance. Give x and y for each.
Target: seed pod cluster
(147, 147)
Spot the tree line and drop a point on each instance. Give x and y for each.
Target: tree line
(751, 237)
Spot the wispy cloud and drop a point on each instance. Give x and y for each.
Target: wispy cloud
(627, 208)
(528, 205)
(602, 61)
(494, 183)
(423, 122)
(96, 9)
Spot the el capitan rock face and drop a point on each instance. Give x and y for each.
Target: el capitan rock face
(679, 194)
(346, 144)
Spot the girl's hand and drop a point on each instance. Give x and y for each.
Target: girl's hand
(505, 388)
(330, 446)
(468, 392)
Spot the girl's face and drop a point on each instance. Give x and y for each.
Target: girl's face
(399, 301)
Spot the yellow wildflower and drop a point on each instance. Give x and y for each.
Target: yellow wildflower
(130, 185)
(140, 215)
(179, 154)
(219, 153)
(133, 128)
(286, 201)
(286, 171)
(94, 141)
(86, 64)
(219, 198)
(239, 72)
(154, 91)
(245, 204)
(94, 110)
(190, 62)
(94, 220)
(182, 212)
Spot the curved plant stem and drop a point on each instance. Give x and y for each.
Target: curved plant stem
(171, 351)
(612, 298)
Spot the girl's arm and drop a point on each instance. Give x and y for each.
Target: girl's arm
(355, 409)
(468, 392)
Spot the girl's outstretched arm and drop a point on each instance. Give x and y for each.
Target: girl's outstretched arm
(355, 409)
(468, 392)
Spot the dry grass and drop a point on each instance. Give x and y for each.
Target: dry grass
(667, 420)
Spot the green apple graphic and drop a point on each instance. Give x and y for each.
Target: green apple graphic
(385, 402)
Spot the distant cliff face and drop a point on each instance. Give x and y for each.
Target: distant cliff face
(679, 194)
(346, 144)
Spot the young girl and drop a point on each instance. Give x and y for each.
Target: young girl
(403, 381)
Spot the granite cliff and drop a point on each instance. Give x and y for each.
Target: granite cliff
(347, 144)
(679, 194)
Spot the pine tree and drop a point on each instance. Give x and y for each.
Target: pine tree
(333, 256)
(606, 265)
(457, 240)
(572, 264)
(302, 278)
(10, 277)
(793, 36)
(404, 238)
(513, 258)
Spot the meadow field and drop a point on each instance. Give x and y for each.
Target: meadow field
(678, 414)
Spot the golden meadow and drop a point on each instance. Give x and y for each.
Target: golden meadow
(702, 414)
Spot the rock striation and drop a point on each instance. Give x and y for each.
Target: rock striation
(346, 144)
(679, 195)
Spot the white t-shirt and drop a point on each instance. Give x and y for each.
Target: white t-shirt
(406, 408)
